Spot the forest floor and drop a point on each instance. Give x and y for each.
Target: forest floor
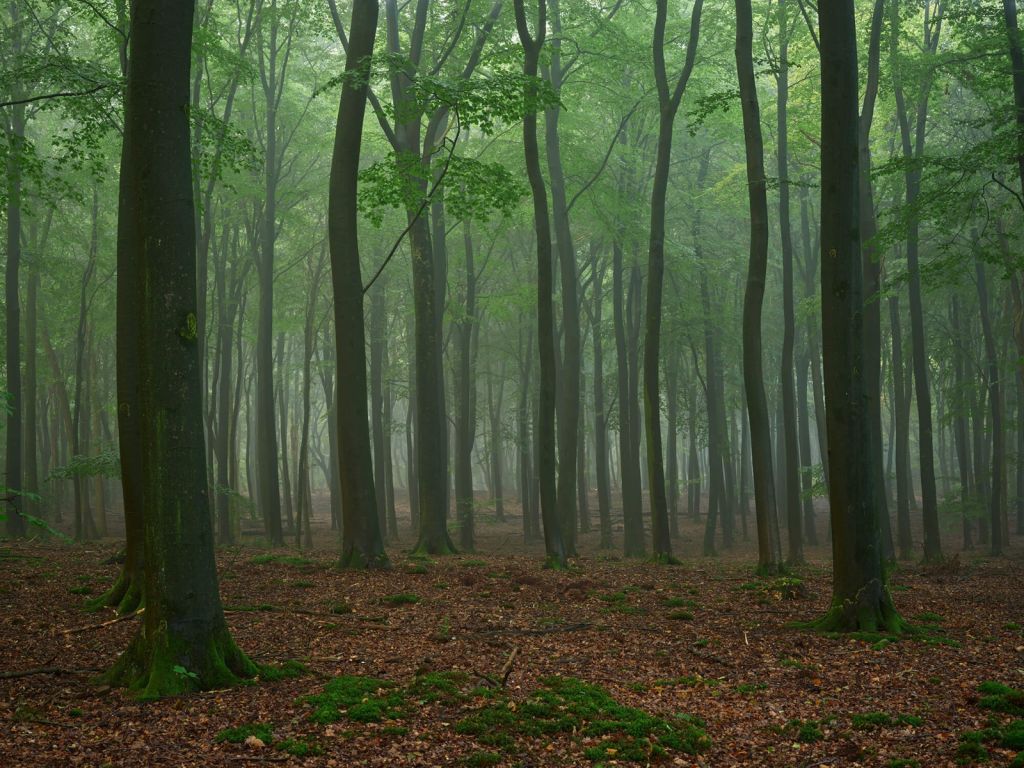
(704, 639)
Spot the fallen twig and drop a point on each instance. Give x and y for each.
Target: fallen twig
(102, 624)
(43, 671)
(536, 630)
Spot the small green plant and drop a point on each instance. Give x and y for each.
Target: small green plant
(82, 590)
(394, 730)
(806, 731)
(270, 558)
(681, 616)
(341, 608)
(287, 670)
(303, 584)
(679, 602)
(180, 671)
(443, 633)
(402, 598)
(612, 597)
(748, 689)
(299, 747)
(866, 720)
(238, 734)
(1011, 626)
(1001, 698)
(792, 663)
(928, 617)
(902, 762)
(481, 759)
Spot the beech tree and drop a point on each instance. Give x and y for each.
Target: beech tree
(184, 642)
(860, 595)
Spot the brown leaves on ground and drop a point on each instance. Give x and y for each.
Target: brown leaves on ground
(706, 639)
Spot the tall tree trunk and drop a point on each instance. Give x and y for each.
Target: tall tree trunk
(901, 406)
(788, 432)
(268, 483)
(668, 104)
(362, 541)
(554, 545)
(604, 497)
(929, 499)
(378, 341)
(995, 400)
(632, 499)
(183, 626)
(963, 455)
(860, 598)
(13, 478)
(769, 553)
(568, 406)
(465, 422)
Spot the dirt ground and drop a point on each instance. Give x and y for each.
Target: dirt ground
(704, 638)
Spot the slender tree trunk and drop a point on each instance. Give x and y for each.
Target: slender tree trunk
(929, 500)
(768, 545)
(362, 541)
(668, 102)
(13, 478)
(554, 545)
(963, 457)
(604, 504)
(788, 436)
(995, 399)
(465, 422)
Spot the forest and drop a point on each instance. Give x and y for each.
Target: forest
(512, 383)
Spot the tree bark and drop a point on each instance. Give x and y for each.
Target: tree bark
(362, 542)
(860, 597)
(768, 547)
(554, 546)
(183, 627)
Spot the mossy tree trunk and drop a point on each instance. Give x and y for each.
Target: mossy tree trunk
(860, 597)
(184, 643)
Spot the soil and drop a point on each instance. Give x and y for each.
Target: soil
(705, 638)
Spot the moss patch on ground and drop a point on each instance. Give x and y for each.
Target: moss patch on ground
(567, 706)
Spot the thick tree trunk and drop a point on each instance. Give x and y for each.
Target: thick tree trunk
(184, 626)
(860, 597)
(568, 385)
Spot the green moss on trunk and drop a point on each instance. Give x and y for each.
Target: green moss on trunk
(169, 664)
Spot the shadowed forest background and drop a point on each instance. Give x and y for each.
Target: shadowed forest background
(512, 382)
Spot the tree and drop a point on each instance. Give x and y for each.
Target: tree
(362, 543)
(668, 106)
(860, 596)
(184, 642)
(554, 546)
(769, 553)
